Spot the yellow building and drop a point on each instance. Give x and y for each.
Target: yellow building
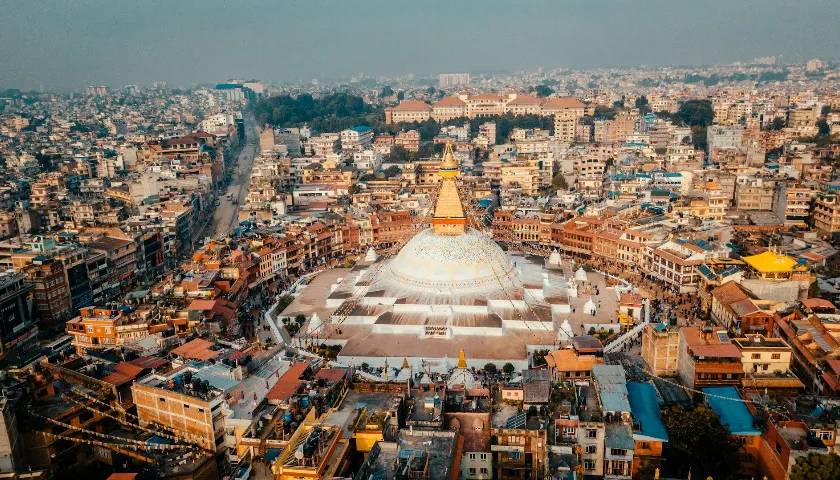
(369, 428)
(315, 451)
(771, 265)
(762, 355)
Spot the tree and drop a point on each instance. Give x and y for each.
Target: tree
(697, 441)
(491, 368)
(508, 368)
(816, 466)
(823, 130)
(543, 90)
(778, 123)
(696, 113)
(559, 182)
(300, 319)
(392, 171)
(387, 91)
(604, 113)
(539, 357)
(825, 110)
(400, 95)
(642, 105)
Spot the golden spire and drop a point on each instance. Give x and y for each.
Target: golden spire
(462, 359)
(405, 363)
(449, 216)
(449, 165)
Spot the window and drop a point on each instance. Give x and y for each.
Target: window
(644, 445)
(472, 471)
(776, 356)
(484, 456)
(484, 470)
(591, 449)
(826, 435)
(588, 464)
(591, 433)
(755, 356)
(163, 400)
(618, 452)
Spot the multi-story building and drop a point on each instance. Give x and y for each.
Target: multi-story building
(357, 138)
(17, 326)
(101, 328)
(408, 111)
(826, 214)
(661, 349)
(754, 193)
(453, 80)
(707, 359)
(183, 404)
(448, 108)
(51, 295)
(565, 126)
(793, 204)
(734, 308)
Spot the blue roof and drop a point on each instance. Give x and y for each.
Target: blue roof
(612, 388)
(645, 408)
(733, 413)
(361, 128)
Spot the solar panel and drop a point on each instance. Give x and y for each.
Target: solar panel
(516, 421)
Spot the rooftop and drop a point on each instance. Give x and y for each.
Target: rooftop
(733, 413)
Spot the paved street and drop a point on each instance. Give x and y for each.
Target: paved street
(225, 216)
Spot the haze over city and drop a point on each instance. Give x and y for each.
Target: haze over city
(427, 240)
(68, 45)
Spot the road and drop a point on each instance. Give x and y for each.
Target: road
(225, 217)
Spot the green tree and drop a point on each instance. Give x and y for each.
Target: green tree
(696, 113)
(543, 90)
(697, 441)
(823, 129)
(778, 123)
(539, 357)
(490, 368)
(642, 104)
(400, 95)
(392, 171)
(387, 91)
(816, 466)
(559, 182)
(603, 112)
(508, 368)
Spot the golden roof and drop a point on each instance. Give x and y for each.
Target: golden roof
(771, 262)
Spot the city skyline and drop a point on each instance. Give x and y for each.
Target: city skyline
(118, 43)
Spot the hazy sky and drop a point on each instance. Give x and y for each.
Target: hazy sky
(68, 44)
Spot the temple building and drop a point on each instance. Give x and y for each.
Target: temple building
(452, 288)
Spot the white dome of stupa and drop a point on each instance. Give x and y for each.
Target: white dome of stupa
(580, 275)
(469, 263)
